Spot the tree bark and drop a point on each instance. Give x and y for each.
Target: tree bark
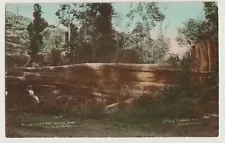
(198, 58)
(206, 56)
(209, 48)
(193, 55)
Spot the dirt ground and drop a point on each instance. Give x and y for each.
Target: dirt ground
(24, 125)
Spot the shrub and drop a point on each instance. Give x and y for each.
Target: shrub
(91, 110)
(55, 57)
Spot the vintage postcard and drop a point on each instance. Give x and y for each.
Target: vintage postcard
(112, 69)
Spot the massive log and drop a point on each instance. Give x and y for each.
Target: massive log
(38, 80)
(111, 77)
(116, 89)
(96, 67)
(105, 76)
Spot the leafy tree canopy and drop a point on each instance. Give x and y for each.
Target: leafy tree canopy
(195, 30)
(34, 31)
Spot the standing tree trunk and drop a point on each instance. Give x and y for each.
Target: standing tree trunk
(209, 48)
(193, 55)
(216, 60)
(198, 58)
(205, 57)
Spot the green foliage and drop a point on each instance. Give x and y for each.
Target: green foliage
(195, 30)
(51, 110)
(154, 109)
(173, 59)
(149, 12)
(150, 51)
(34, 29)
(52, 39)
(188, 100)
(187, 88)
(210, 88)
(96, 31)
(211, 16)
(92, 32)
(15, 60)
(55, 57)
(127, 56)
(92, 110)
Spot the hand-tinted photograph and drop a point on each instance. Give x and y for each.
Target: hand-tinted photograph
(120, 69)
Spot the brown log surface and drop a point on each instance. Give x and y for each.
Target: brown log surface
(97, 67)
(205, 56)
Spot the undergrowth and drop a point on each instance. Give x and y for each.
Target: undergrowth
(188, 100)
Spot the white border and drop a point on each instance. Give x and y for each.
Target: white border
(69, 1)
(200, 139)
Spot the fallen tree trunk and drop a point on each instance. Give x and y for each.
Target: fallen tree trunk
(108, 90)
(98, 67)
(81, 89)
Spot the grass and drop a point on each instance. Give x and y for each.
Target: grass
(136, 121)
(118, 125)
(144, 118)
